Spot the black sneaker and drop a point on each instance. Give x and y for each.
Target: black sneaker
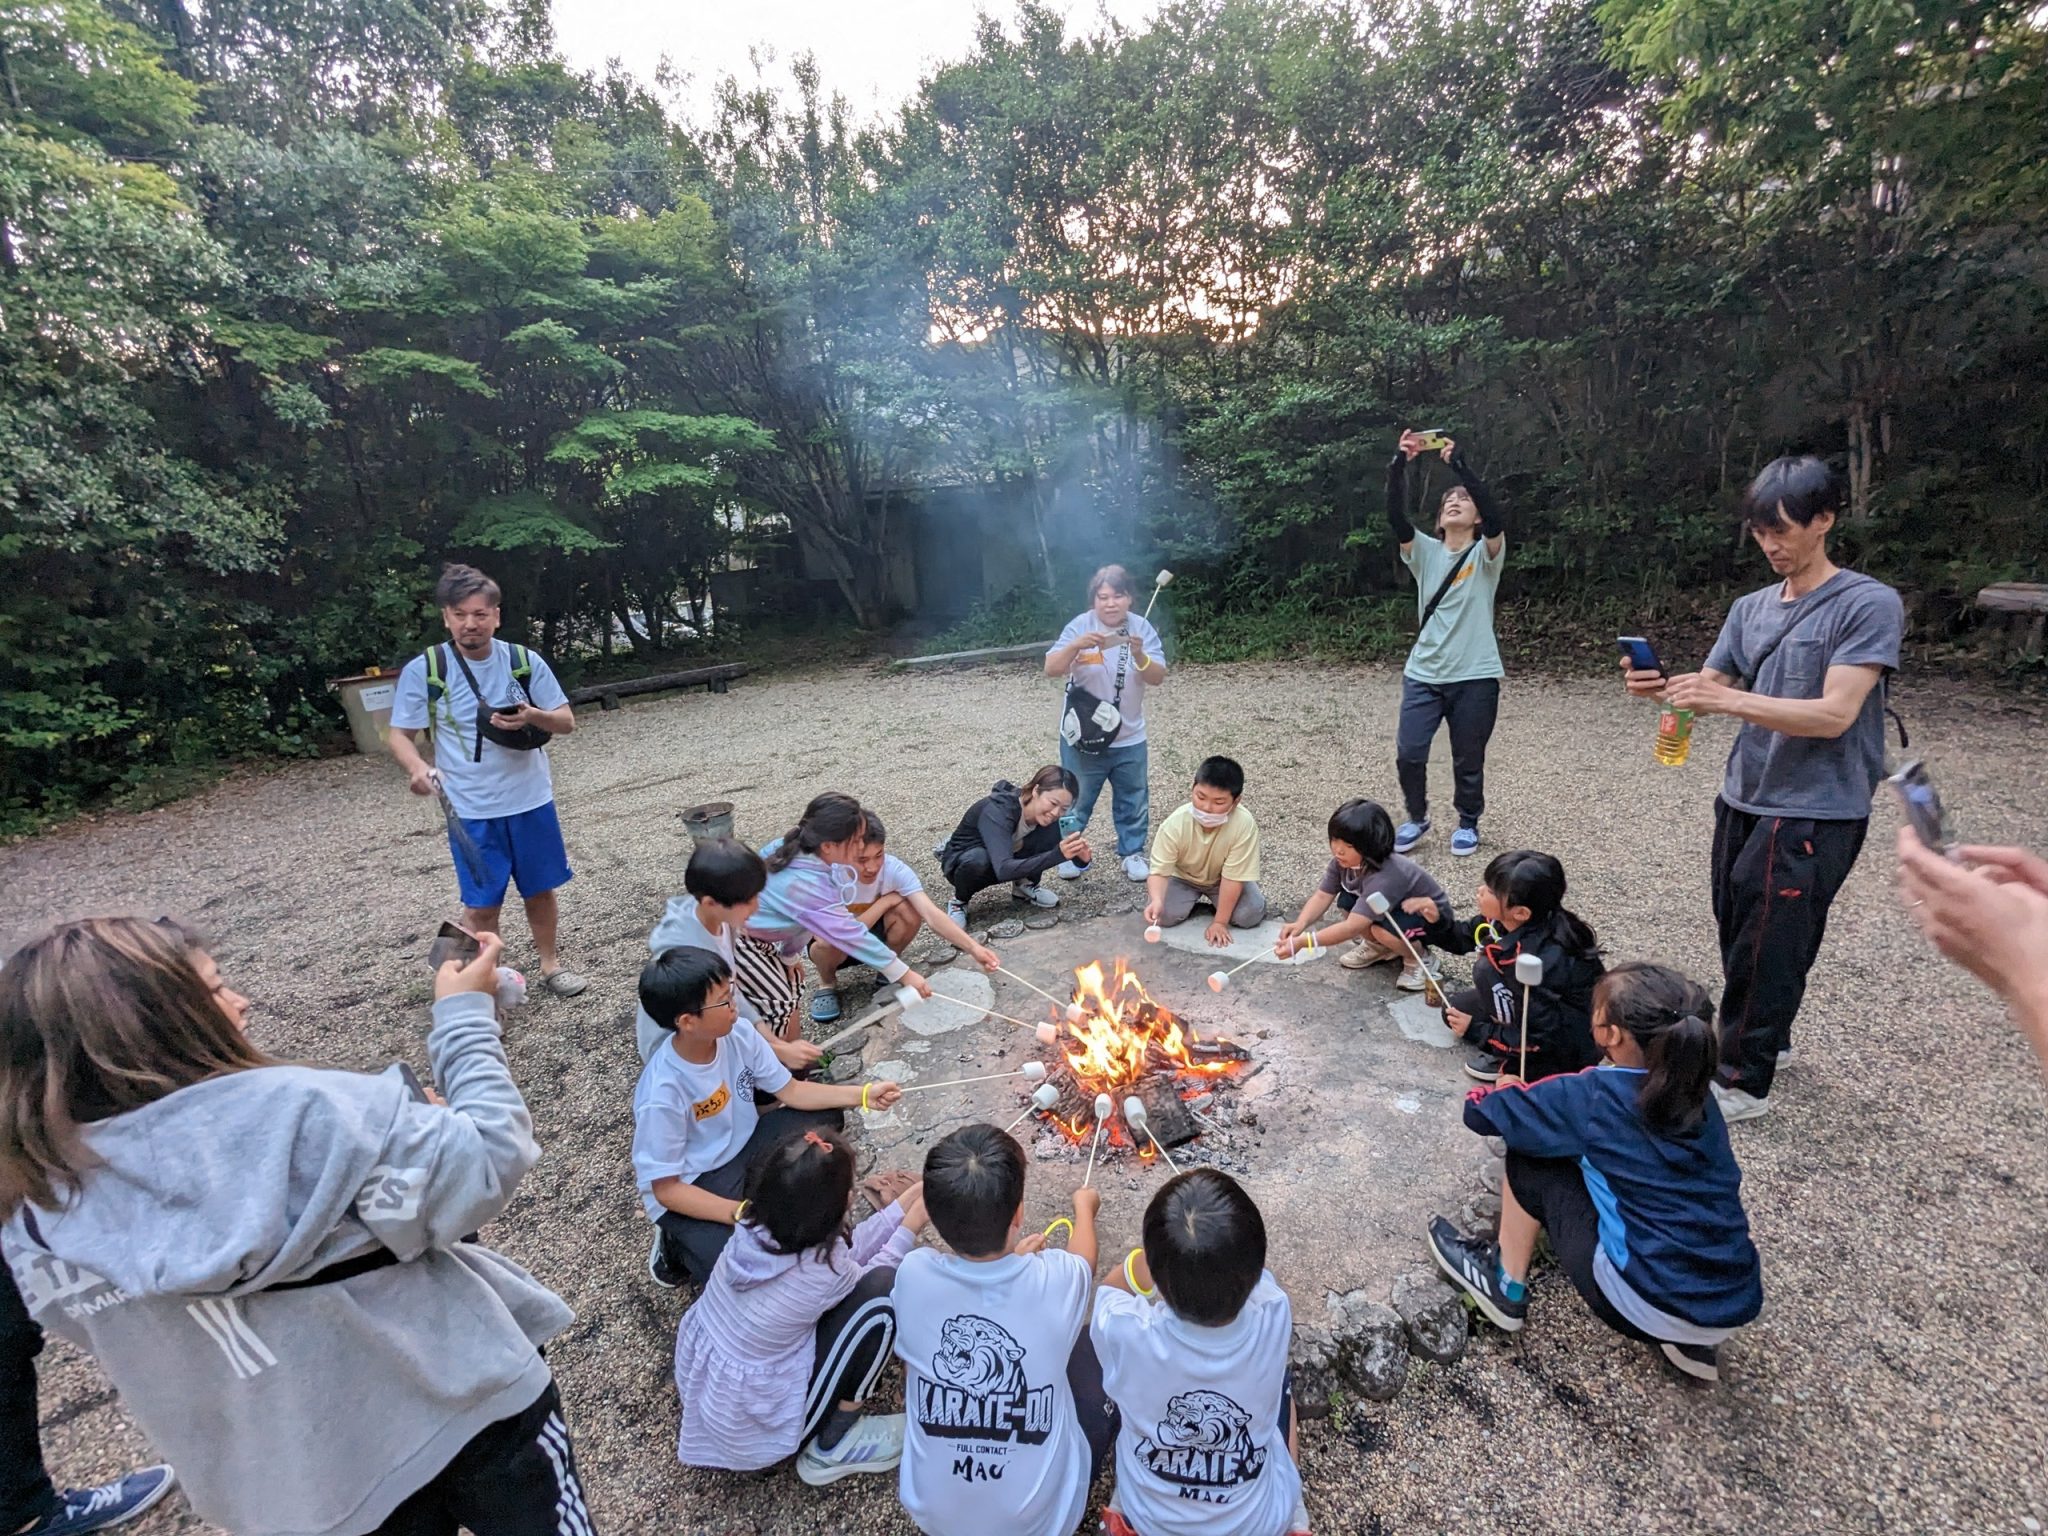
(658, 1267)
(1483, 1066)
(1702, 1362)
(1473, 1266)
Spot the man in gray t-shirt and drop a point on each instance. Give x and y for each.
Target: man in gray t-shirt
(1803, 665)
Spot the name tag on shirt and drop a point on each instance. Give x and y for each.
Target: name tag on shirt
(704, 1109)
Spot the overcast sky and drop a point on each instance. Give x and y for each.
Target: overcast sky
(872, 52)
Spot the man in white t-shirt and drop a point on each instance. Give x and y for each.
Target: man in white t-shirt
(889, 897)
(1005, 1419)
(696, 1129)
(489, 709)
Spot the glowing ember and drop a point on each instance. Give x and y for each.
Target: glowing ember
(1115, 1036)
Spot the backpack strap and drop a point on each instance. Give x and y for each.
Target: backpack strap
(437, 685)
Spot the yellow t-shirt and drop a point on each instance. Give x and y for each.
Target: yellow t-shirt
(1187, 850)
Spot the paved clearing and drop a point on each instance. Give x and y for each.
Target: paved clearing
(1897, 1381)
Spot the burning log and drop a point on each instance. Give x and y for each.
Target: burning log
(1168, 1117)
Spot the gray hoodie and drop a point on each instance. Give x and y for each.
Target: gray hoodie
(308, 1412)
(681, 928)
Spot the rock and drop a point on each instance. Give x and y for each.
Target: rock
(1437, 1326)
(939, 953)
(1372, 1345)
(1008, 928)
(1487, 1207)
(1490, 1169)
(1313, 1359)
(959, 998)
(1038, 922)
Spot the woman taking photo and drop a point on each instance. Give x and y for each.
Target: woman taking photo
(1108, 656)
(245, 1244)
(1015, 835)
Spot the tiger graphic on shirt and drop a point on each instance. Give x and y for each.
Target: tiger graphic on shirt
(977, 1388)
(1204, 1446)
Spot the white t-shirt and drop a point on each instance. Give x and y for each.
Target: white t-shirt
(896, 879)
(992, 1441)
(1096, 670)
(1201, 1451)
(689, 1119)
(503, 782)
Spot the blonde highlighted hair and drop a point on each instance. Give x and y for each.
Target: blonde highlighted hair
(99, 1017)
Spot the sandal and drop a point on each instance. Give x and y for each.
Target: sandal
(825, 1005)
(564, 983)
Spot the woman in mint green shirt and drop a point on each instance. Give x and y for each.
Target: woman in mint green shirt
(1453, 672)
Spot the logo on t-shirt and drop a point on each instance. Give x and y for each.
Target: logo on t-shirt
(977, 1389)
(704, 1109)
(1204, 1446)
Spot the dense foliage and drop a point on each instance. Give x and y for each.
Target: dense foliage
(298, 297)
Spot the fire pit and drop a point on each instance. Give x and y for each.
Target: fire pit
(1296, 1080)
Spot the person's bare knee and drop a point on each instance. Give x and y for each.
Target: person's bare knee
(900, 926)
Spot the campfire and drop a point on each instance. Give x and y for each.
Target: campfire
(1124, 1043)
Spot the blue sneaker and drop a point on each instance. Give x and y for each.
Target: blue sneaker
(1465, 842)
(1409, 833)
(94, 1509)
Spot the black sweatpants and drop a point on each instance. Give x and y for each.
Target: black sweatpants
(1553, 1190)
(1774, 880)
(1100, 1418)
(516, 1478)
(855, 1340)
(26, 1494)
(694, 1246)
(971, 874)
(1471, 709)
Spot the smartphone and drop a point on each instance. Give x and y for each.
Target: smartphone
(453, 942)
(1433, 439)
(1922, 804)
(1640, 653)
(1070, 823)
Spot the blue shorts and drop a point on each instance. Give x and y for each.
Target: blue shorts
(526, 849)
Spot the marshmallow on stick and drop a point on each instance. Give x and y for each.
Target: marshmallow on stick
(1529, 972)
(1136, 1118)
(1159, 584)
(1043, 1097)
(1104, 1108)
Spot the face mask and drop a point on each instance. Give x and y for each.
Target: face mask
(1210, 819)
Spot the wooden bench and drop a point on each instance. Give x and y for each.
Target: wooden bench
(714, 679)
(2020, 617)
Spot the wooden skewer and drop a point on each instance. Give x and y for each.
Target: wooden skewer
(1379, 906)
(1156, 1142)
(955, 1082)
(1091, 1154)
(872, 1016)
(1057, 1002)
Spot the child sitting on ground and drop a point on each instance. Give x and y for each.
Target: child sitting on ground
(1362, 860)
(1003, 1393)
(795, 1325)
(721, 887)
(1628, 1168)
(696, 1130)
(1208, 850)
(1521, 912)
(1193, 1335)
(889, 899)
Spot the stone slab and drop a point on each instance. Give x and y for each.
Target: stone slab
(959, 998)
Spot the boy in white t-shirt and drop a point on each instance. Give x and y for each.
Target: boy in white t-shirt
(1006, 1418)
(721, 891)
(696, 1130)
(890, 899)
(1193, 1335)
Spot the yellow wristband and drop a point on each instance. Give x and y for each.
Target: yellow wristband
(864, 1097)
(1057, 1223)
(738, 1211)
(1131, 1274)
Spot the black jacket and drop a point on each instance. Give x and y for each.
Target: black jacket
(990, 826)
(1560, 1010)
(1491, 523)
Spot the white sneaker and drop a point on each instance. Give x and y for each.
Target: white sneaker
(957, 910)
(1071, 871)
(1362, 956)
(1036, 894)
(1785, 1058)
(873, 1444)
(1736, 1104)
(1412, 979)
(940, 846)
(1137, 867)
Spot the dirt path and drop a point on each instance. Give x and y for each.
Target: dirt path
(1897, 1381)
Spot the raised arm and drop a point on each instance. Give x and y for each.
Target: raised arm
(1397, 501)
(1492, 524)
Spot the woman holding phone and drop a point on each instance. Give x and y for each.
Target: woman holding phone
(1014, 834)
(244, 1243)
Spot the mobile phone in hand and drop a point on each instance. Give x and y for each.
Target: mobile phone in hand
(1921, 803)
(412, 1082)
(1432, 439)
(453, 942)
(1642, 655)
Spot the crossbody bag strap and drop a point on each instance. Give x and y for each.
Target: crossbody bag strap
(1450, 578)
(1123, 662)
(476, 693)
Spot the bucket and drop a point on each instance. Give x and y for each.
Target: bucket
(707, 823)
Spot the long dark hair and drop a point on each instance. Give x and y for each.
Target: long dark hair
(1535, 880)
(830, 818)
(1048, 779)
(1671, 1018)
(800, 1192)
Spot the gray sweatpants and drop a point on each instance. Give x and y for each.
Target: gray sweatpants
(1182, 896)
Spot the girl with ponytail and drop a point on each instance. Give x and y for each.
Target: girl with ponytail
(1627, 1167)
(811, 876)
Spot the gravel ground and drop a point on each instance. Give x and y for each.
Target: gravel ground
(1896, 1381)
